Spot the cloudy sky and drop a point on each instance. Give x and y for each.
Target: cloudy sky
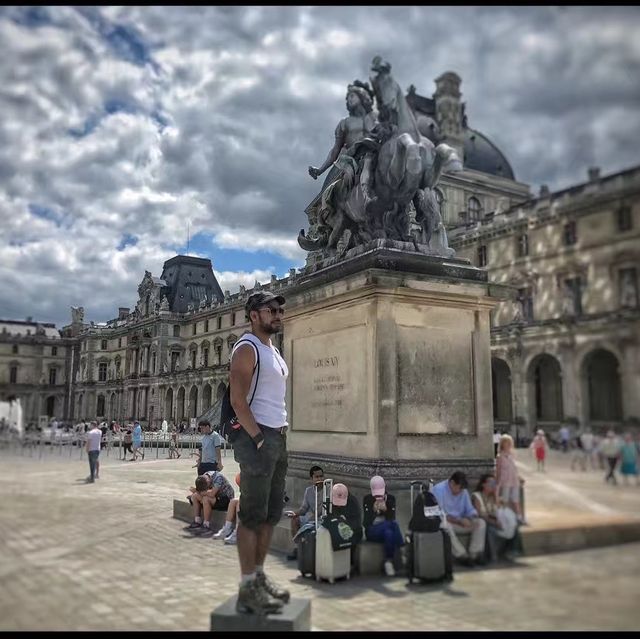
(121, 126)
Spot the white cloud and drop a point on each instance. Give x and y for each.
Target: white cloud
(218, 118)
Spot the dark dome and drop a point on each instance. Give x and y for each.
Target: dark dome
(480, 154)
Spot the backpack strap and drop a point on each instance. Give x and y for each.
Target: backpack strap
(256, 366)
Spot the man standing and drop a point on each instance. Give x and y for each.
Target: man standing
(462, 517)
(137, 441)
(565, 435)
(258, 370)
(94, 437)
(209, 457)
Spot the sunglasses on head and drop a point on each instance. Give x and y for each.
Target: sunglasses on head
(274, 310)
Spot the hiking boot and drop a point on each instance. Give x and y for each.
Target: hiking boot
(272, 588)
(254, 599)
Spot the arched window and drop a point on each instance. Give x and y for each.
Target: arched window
(474, 209)
(100, 406)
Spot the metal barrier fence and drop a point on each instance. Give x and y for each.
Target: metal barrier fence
(38, 445)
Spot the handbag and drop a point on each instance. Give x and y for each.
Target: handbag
(508, 522)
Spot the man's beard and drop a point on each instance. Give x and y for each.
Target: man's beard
(268, 328)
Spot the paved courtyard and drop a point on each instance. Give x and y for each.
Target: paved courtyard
(109, 556)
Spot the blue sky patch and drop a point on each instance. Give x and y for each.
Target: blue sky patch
(127, 240)
(46, 213)
(236, 259)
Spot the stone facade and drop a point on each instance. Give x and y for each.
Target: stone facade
(158, 363)
(567, 346)
(34, 367)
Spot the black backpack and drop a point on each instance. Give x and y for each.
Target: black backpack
(426, 515)
(229, 425)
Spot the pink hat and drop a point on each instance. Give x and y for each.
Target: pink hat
(377, 486)
(339, 495)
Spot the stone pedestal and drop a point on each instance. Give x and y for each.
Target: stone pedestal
(294, 617)
(390, 371)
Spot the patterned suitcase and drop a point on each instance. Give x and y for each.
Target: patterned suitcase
(330, 564)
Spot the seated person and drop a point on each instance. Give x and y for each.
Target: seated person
(461, 517)
(347, 505)
(380, 523)
(229, 530)
(209, 456)
(485, 502)
(211, 492)
(307, 511)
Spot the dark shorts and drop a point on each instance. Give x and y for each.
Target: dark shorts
(222, 503)
(206, 467)
(262, 477)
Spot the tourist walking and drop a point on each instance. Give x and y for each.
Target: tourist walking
(137, 442)
(610, 449)
(259, 372)
(94, 436)
(127, 441)
(629, 459)
(539, 446)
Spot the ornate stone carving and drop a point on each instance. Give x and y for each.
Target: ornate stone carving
(77, 314)
(382, 184)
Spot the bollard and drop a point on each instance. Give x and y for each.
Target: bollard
(157, 443)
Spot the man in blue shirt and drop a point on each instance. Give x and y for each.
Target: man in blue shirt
(137, 442)
(209, 457)
(462, 517)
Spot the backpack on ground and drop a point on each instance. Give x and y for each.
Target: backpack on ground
(429, 556)
(426, 514)
(229, 424)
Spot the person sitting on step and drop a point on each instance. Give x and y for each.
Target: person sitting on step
(461, 517)
(307, 511)
(229, 530)
(211, 492)
(380, 523)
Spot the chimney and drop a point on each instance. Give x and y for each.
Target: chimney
(123, 311)
(292, 272)
(544, 190)
(594, 173)
(29, 319)
(449, 110)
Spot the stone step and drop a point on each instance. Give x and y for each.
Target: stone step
(295, 616)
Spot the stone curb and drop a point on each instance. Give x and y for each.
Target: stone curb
(536, 541)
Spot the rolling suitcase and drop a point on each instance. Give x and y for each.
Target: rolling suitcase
(307, 553)
(330, 564)
(429, 551)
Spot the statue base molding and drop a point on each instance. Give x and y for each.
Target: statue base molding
(390, 370)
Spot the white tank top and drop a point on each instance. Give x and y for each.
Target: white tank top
(268, 405)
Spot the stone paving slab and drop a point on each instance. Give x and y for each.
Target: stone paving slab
(109, 556)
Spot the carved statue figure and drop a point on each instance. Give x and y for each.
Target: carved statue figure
(77, 314)
(384, 184)
(190, 308)
(203, 301)
(164, 304)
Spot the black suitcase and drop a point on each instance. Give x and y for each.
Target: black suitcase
(307, 553)
(429, 556)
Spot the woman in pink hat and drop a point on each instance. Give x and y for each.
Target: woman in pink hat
(380, 523)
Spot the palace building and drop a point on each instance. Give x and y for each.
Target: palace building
(566, 348)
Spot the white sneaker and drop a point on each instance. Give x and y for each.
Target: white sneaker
(389, 570)
(224, 531)
(231, 539)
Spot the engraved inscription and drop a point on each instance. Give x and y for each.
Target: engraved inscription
(329, 381)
